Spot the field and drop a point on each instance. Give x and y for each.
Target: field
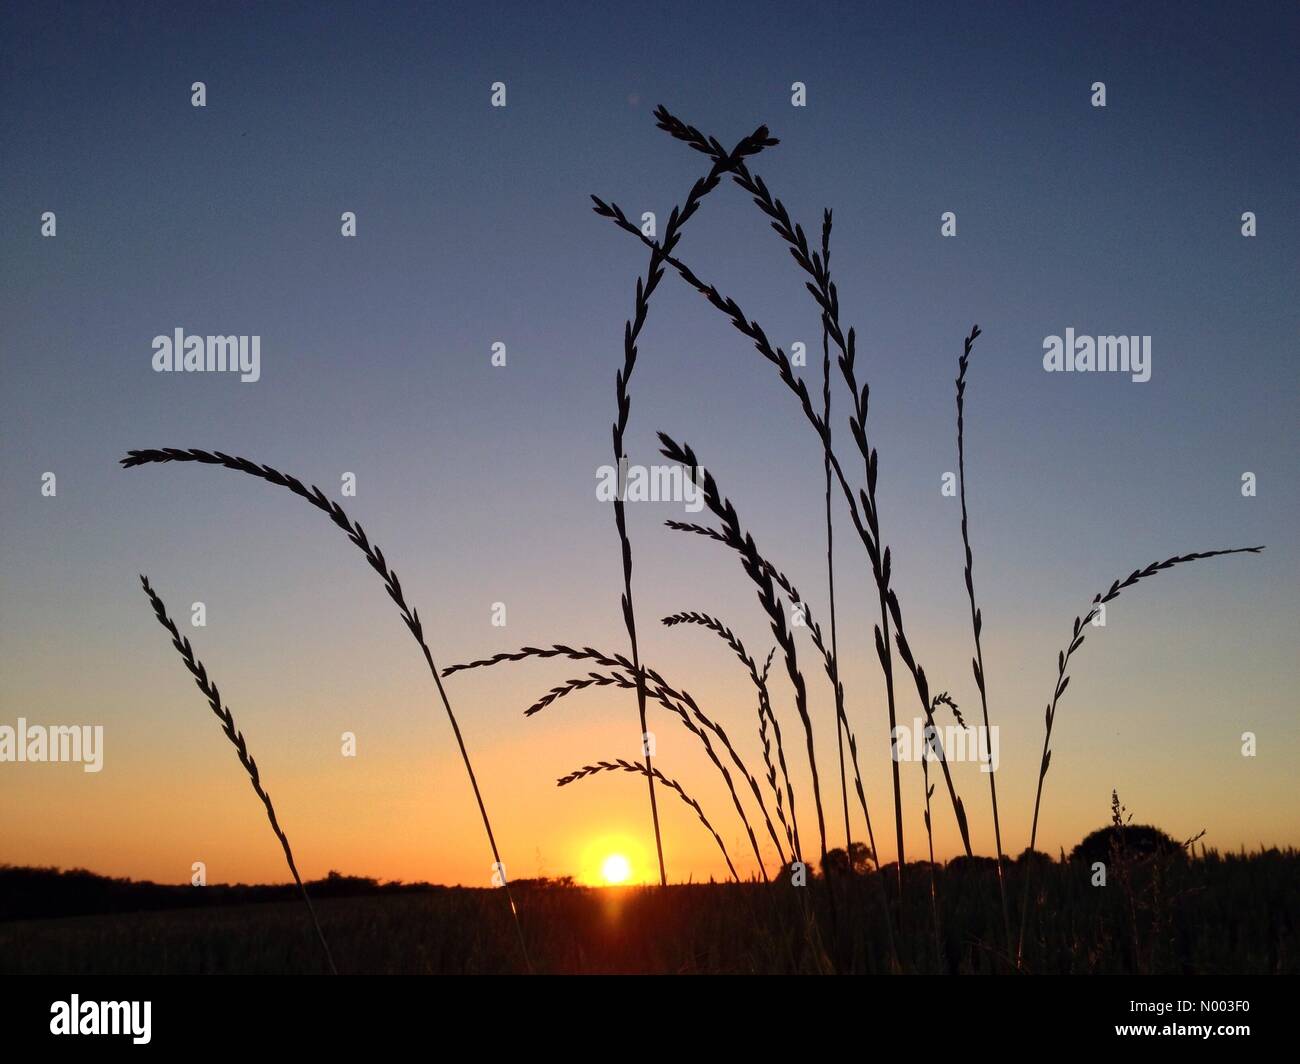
(1215, 914)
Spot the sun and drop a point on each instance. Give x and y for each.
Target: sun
(616, 868)
(611, 858)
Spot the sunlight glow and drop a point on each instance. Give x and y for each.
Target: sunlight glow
(616, 868)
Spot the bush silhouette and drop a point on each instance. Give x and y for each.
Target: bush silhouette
(963, 865)
(1132, 840)
(857, 862)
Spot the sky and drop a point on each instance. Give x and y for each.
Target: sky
(474, 227)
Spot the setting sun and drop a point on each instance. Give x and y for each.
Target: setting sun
(616, 868)
(612, 858)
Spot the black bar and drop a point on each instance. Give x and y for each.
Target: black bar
(595, 1015)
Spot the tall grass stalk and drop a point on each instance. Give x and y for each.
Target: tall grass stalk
(761, 576)
(750, 145)
(619, 765)
(841, 720)
(1077, 636)
(868, 532)
(977, 620)
(379, 563)
(675, 702)
(227, 719)
(825, 294)
(829, 659)
(679, 702)
(759, 680)
(929, 838)
(767, 720)
(930, 750)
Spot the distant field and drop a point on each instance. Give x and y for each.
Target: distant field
(1215, 914)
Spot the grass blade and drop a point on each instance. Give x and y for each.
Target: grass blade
(1062, 678)
(750, 145)
(619, 765)
(375, 557)
(223, 714)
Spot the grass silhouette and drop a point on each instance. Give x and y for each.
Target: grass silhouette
(776, 592)
(375, 556)
(236, 737)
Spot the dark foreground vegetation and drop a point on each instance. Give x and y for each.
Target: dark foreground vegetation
(1164, 913)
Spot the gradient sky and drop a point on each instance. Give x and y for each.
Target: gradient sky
(475, 226)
